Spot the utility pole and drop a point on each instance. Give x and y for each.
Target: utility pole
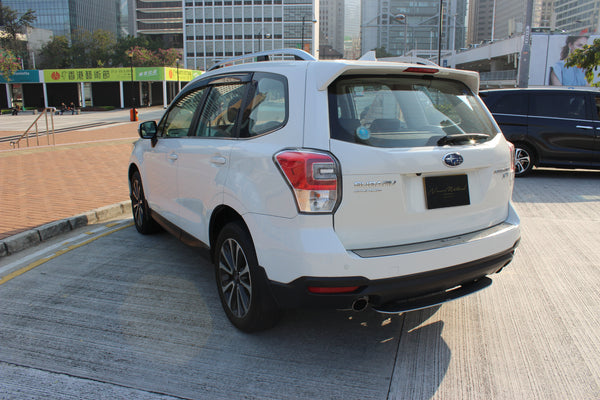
(525, 57)
(441, 17)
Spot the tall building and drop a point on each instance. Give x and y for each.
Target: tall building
(496, 20)
(577, 17)
(408, 27)
(219, 29)
(352, 18)
(63, 17)
(162, 20)
(331, 23)
(481, 21)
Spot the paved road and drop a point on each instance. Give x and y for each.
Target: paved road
(114, 314)
(22, 121)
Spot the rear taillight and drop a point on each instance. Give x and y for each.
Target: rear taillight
(313, 177)
(512, 157)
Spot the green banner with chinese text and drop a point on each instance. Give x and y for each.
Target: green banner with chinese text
(119, 74)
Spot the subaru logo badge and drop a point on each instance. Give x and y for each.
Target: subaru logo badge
(453, 159)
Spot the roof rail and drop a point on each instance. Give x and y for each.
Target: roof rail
(264, 56)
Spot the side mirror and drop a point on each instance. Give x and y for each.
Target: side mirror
(147, 130)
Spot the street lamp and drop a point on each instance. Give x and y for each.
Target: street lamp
(261, 36)
(314, 21)
(403, 18)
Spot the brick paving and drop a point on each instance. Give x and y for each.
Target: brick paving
(84, 171)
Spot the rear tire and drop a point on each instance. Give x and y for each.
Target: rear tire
(139, 207)
(524, 159)
(241, 283)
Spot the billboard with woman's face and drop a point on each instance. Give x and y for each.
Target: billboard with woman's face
(548, 56)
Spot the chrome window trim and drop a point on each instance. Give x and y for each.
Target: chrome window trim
(541, 116)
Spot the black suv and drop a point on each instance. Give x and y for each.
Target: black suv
(557, 128)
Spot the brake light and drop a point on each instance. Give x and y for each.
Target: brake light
(422, 70)
(512, 157)
(313, 177)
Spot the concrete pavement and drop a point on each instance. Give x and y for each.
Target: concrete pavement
(123, 315)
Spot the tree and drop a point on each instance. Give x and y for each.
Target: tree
(588, 59)
(14, 25)
(92, 50)
(143, 57)
(8, 64)
(56, 54)
(381, 52)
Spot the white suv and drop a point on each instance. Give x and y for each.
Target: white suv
(340, 184)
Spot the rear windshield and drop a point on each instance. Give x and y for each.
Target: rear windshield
(397, 111)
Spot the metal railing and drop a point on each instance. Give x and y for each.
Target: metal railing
(17, 143)
(498, 75)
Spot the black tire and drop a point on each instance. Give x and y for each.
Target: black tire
(139, 207)
(524, 159)
(241, 283)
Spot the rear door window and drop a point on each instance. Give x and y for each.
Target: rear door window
(267, 108)
(514, 103)
(220, 112)
(404, 111)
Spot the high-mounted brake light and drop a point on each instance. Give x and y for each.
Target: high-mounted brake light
(422, 70)
(314, 178)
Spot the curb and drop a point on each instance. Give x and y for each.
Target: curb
(24, 240)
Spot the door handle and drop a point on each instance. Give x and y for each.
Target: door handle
(219, 160)
(584, 127)
(173, 157)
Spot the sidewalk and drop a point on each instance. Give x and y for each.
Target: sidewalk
(86, 170)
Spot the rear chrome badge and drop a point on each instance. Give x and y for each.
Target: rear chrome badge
(373, 186)
(453, 159)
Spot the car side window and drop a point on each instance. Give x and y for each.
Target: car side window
(510, 104)
(571, 106)
(267, 109)
(598, 107)
(179, 119)
(219, 115)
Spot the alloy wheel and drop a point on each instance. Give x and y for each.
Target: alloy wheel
(137, 202)
(522, 161)
(234, 278)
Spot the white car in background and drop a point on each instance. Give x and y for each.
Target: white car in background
(341, 184)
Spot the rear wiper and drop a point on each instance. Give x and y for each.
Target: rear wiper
(462, 138)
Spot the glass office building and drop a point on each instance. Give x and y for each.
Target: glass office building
(417, 34)
(159, 19)
(63, 17)
(220, 29)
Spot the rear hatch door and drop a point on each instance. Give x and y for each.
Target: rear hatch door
(420, 159)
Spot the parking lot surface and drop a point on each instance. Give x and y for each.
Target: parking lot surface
(107, 313)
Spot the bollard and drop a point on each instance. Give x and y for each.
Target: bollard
(133, 114)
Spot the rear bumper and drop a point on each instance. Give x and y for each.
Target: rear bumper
(393, 294)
